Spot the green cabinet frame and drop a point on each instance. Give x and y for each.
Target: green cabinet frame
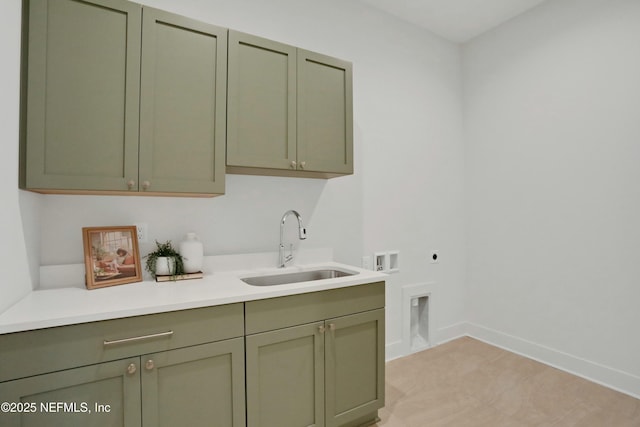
(81, 68)
(191, 386)
(325, 113)
(261, 107)
(311, 359)
(316, 359)
(354, 368)
(109, 384)
(285, 377)
(121, 99)
(290, 111)
(150, 370)
(182, 104)
(327, 373)
(195, 386)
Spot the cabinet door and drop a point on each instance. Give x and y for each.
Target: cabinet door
(182, 105)
(285, 377)
(355, 368)
(80, 121)
(261, 120)
(325, 114)
(195, 386)
(99, 395)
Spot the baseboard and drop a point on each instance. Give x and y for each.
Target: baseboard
(397, 349)
(452, 332)
(393, 350)
(600, 374)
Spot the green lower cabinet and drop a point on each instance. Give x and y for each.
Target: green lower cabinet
(195, 386)
(285, 377)
(106, 394)
(327, 373)
(198, 386)
(354, 365)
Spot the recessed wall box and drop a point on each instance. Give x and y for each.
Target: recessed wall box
(394, 262)
(381, 261)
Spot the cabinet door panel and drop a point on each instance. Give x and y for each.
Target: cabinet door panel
(183, 104)
(196, 386)
(107, 384)
(82, 94)
(285, 377)
(325, 113)
(262, 102)
(355, 367)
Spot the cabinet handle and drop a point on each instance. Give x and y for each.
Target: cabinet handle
(149, 365)
(131, 369)
(140, 338)
(302, 165)
(332, 326)
(146, 185)
(321, 329)
(293, 164)
(131, 184)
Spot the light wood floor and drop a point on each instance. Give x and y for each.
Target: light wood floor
(469, 383)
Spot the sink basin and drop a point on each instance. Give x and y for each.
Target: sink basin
(295, 277)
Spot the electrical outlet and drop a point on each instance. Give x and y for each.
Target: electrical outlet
(366, 263)
(434, 256)
(143, 232)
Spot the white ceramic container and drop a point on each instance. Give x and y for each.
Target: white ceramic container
(192, 253)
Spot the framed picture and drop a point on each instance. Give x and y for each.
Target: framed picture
(111, 256)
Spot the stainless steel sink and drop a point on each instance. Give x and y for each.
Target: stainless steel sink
(295, 277)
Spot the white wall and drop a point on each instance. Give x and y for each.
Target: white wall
(406, 193)
(551, 103)
(552, 110)
(16, 281)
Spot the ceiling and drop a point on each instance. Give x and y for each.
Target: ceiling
(455, 20)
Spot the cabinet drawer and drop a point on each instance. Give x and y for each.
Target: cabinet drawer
(46, 350)
(275, 313)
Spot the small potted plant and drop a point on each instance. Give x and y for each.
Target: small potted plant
(164, 261)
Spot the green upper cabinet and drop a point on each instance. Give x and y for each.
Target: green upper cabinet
(82, 90)
(325, 114)
(261, 109)
(118, 98)
(289, 110)
(182, 104)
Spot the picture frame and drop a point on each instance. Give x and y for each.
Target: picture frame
(111, 256)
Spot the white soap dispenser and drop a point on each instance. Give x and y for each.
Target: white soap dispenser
(192, 253)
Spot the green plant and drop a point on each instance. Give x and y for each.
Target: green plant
(167, 250)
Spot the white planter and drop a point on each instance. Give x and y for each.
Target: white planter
(165, 266)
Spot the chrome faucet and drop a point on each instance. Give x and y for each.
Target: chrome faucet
(302, 234)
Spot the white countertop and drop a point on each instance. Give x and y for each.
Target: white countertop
(71, 305)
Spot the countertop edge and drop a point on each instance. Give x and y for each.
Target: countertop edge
(67, 306)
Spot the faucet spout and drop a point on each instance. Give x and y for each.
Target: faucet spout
(302, 235)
